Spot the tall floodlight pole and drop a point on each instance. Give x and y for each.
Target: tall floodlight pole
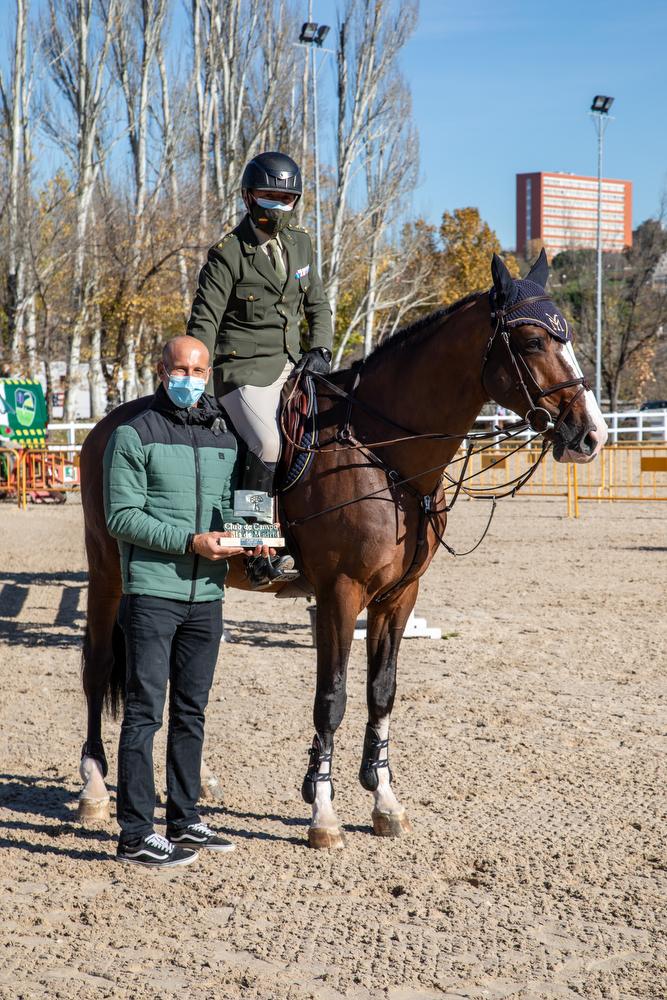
(313, 35)
(600, 115)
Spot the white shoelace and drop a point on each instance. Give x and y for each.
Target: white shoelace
(161, 843)
(202, 828)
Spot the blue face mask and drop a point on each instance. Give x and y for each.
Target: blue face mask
(185, 390)
(277, 205)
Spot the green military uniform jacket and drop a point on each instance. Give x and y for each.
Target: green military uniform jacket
(250, 321)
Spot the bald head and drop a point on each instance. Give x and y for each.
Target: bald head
(180, 351)
(182, 356)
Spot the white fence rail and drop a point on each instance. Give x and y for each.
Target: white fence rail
(624, 428)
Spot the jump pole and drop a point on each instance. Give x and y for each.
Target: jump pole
(415, 628)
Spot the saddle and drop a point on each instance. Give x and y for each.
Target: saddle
(298, 422)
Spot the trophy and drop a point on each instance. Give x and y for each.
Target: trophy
(262, 531)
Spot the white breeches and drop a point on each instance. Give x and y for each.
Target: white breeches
(254, 411)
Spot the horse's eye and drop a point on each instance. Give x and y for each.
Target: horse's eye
(534, 344)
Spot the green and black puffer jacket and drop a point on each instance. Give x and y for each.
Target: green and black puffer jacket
(169, 473)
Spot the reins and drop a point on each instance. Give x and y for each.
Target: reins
(539, 419)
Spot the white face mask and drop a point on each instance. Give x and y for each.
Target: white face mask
(269, 203)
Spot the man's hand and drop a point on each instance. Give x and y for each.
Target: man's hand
(207, 546)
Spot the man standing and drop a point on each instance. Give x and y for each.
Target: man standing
(252, 291)
(168, 479)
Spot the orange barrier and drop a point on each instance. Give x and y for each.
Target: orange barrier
(497, 467)
(10, 473)
(47, 475)
(628, 472)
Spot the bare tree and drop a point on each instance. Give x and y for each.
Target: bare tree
(16, 113)
(634, 307)
(78, 67)
(206, 27)
(403, 287)
(173, 136)
(371, 33)
(135, 48)
(391, 164)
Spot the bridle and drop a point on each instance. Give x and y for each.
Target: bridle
(538, 418)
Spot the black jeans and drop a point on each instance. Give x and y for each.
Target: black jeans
(173, 641)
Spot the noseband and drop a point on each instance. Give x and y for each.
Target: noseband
(537, 417)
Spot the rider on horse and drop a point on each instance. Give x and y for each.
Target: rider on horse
(247, 311)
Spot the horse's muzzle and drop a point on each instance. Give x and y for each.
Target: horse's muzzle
(579, 446)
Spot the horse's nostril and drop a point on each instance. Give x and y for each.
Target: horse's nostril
(589, 443)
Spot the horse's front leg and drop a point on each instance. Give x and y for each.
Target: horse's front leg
(385, 625)
(337, 611)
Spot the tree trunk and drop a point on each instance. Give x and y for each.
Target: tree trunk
(30, 328)
(96, 371)
(17, 122)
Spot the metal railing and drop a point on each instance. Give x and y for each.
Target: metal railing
(71, 431)
(625, 426)
(622, 472)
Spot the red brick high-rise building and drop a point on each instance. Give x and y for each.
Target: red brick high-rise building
(559, 212)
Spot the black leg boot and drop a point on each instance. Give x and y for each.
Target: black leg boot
(255, 493)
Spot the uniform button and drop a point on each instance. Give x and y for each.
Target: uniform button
(282, 298)
(233, 352)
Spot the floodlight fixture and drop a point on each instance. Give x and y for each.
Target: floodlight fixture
(322, 33)
(600, 114)
(308, 32)
(313, 34)
(601, 104)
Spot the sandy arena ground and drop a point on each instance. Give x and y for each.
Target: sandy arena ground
(528, 745)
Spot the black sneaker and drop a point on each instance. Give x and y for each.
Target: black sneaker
(154, 851)
(200, 835)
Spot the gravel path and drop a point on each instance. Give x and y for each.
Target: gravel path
(528, 745)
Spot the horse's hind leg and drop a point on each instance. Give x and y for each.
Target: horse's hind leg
(337, 611)
(385, 624)
(103, 646)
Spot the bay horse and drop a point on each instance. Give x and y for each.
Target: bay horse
(366, 519)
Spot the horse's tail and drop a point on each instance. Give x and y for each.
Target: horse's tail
(113, 695)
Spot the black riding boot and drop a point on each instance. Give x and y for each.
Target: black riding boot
(256, 491)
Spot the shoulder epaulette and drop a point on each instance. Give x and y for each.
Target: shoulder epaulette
(225, 239)
(299, 229)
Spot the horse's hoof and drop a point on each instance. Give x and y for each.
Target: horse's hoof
(391, 824)
(210, 790)
(93, 809)
(323, 838)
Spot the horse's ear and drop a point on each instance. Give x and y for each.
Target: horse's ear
(539, 272)
(503, 282)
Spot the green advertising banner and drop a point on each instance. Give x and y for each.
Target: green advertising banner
(23, 416)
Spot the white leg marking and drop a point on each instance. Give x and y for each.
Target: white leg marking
(324, 814)
(91, 774)
(385, 800)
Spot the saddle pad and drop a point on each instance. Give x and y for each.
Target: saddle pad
(299, 420)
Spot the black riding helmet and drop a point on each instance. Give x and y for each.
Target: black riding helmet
(271, 172)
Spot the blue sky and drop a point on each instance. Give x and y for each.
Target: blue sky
(500, 88)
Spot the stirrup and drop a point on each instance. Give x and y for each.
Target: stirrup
(262, 571)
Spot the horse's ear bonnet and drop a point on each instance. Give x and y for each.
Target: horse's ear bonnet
(503, 282)
(545, 313)
(539, 272)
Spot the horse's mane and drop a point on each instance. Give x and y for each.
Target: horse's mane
(414, 333)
